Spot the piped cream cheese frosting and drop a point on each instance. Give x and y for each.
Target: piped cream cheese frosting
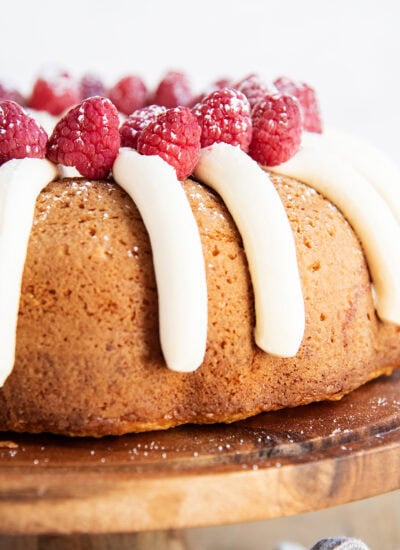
(381, 172)
(20, 183)
(365, 209)
(177, 255)
(258, 212)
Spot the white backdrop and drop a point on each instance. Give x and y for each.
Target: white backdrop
(348, 49)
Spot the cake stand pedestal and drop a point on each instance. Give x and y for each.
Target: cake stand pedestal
(276, 464)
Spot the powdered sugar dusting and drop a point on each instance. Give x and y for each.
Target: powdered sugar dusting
(224, 116)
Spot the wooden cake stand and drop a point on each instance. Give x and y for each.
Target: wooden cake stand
(272, 465)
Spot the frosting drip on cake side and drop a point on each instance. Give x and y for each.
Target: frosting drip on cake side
(381, 172)
(20, 183)
(177, 255)
(257, 209)
(367, 212)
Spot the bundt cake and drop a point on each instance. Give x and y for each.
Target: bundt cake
(227, 266)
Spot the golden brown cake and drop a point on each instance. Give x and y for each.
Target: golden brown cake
(88, 357)
(177, 281)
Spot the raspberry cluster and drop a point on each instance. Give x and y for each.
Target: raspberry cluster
(265, 120)
(56, 90)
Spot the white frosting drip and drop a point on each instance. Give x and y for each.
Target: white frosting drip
(68, 171)
(371, 163)
(20, 183)
(367, 212)
(261, 218)
(177, 255)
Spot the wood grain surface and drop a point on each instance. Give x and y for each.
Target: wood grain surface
(272, 465)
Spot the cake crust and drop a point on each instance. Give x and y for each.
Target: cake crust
(88, 357)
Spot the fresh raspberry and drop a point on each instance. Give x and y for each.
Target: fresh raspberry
(222, 83)
(11, 94)
(277, 126)
(175, 137)
(21, 136)
(87, 137)
(216, 85)
(128, 94)
(174, 90)
(91, 85)
(54, 93)
(136, 122)
(254, 88)
(308, 102)
(224, 116)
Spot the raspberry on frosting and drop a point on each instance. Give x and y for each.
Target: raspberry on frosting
(54, 93)
(254, 88)
(10, 93)
(20, 135)
(174, 90)
(222, 82)
(128, 94)
(224, 116)
(216, 85)
(277, 127)
(136, 122)
(87, 137)
(308, 102)
(175, 137)
(91, 85)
